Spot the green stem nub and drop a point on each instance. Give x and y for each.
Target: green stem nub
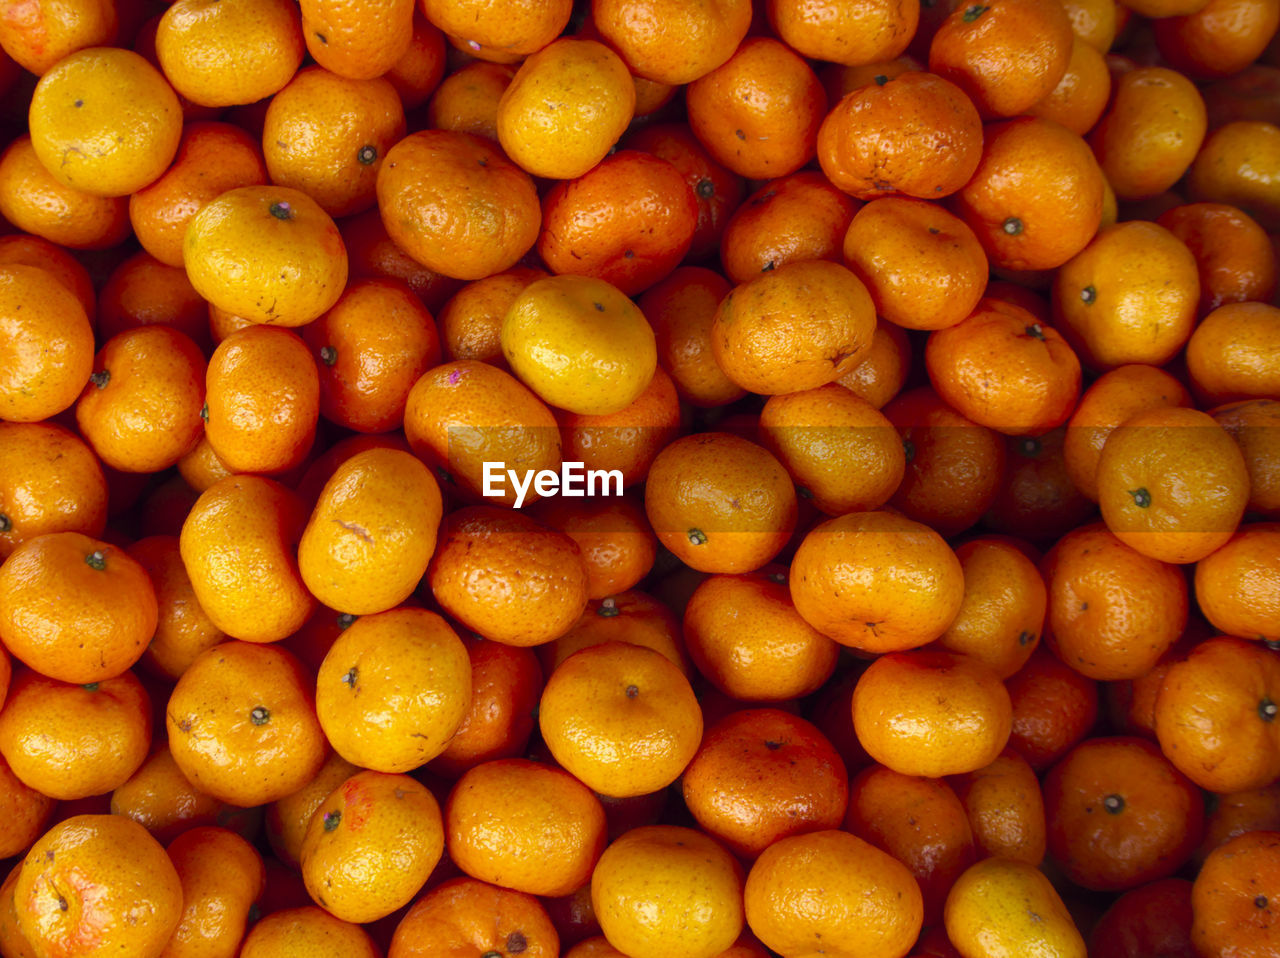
(96, 560)
(697, 537)
(281, 210)
(260, 715)
(1141, 498)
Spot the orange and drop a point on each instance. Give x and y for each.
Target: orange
(758, 113)
(1002, 368)
(915, 134)
(467, 99)
(920, 822)
(876, 581)
(842, 452)
(617, 545)
(851, 34)
(487, 32)
(393, 689)
(720, 503)
(27, 812)
(1172, 484)
(1005, 808)
(307, 932)
(327, 135)
(1036, 499)
(1002, 612)
(1215, 715)
(1252, 810)
(1054, 708)
(371, 532)
(34, 201)
(1150, 134)
(1153, 815)
(242, 725)
(508, 577)
(38, 35)
(456, 204)
(1246, 95)
(871, 903)
(642, 733)
(46, 344)
(757, 336)
(672, 42)
(287, 818)
(628, 221)
(763, 774)
(625, 442)
(1112, 610)
(579, 343)
(923, 266)
(222, 878)
(471, 321)
(269, 254)
(883, 371)
(565, 108)
(681, 309)
(74, 608)
(1235, 261)
(1230, 353)
(664, 890)
(1007, 55)
(999, 907)
(1239, 164)
(633, 617)
(1152, 919)
(840, 80)
(1036, 197)
(526, 826)
(142, 291)
(371, 347)
(422, 66)
(73, 741)
(717, 190)
(52, 483)
(1130, 296)
(98, 884)
(26, 250)
(229, 52)
(371, 846)
(931, 713)
(357, 40)
(262, 400)
(465, 413)
(1237, 584)
(237, 544)
(1218, 40)
(474, 918)
(1232, 898)
(141, 409)
(372, 254)
(954, 466)
(1080, 97)
(104, 121)
(789, 219)
(745, 635)
(160, 799)
(506, 682)
(1111, 399)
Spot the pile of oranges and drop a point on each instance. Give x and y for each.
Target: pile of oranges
(920, 360)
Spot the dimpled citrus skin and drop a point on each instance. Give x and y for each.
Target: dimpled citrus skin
(393, 689)
(98, 885)
(236, 544)
(831, 893)
(1003, 908)
(73, 619)
(267, 253)
(371, 845)
(371, 533)
(242, 724)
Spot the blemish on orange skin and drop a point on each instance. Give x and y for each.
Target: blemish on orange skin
(79, 927)
(357, 805)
